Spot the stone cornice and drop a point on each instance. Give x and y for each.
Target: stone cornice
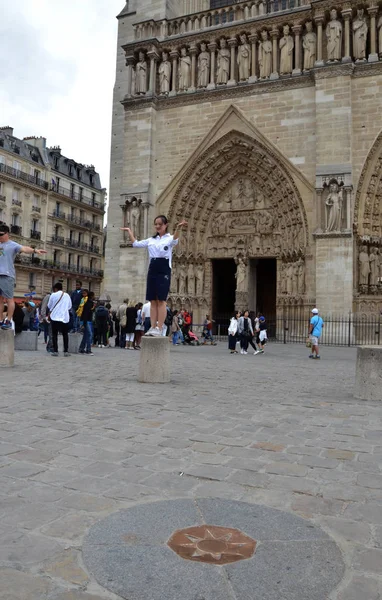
(334, 70)
(332, 234)
(219, 93)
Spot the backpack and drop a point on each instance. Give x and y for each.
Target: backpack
(169, 318)
(187, 319)
(102, 312)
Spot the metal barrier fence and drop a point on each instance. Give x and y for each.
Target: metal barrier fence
(351, 330)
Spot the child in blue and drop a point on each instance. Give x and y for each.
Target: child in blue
(315, 329)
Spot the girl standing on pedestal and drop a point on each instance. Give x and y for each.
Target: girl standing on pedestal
(159, 275)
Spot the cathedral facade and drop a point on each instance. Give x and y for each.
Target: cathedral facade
(258, 122)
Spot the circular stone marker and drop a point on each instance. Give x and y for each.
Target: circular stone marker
(204, 549)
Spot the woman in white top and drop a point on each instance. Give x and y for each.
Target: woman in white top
(159, 275)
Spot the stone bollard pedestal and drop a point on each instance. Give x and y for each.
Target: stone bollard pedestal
(26, 340)
(154, 366)
(74, 342)
(7, 348)
(368, 376)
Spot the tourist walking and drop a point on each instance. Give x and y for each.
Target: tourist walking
(131, 322)
(315, 330)
(262, 335)
(76, 297)
(85, 313)
(102, 324)
(58, 309)
(159, 275)
(122, 318)
(146, 316)
(232, 332)
(8, 252)
(139, 327)
(175, 328)
(207, 331)
(245, 332)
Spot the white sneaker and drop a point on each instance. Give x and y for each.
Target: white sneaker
(99, 346)
(245, 352)
(150, 331)
(156, 332)
(242, 351)
(257, 352)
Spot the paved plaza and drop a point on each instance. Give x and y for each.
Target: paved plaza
(80, 440)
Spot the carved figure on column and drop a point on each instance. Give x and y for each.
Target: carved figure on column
(294, 278)
(191, 280)
(374, 266)
(223, 63)
(135, 217)
(241, 276)
(199, 280)
(309, 43)
(301, 277)
(364, 266)
(289, 276)
(244, 58)
(174, 280)
(334, 208)
(203, 66)
(334, 37)
(184, 70)
(360, 30)
(286, 45)
(182, 279)
(265, 56)
(164, 75)
(141, 75)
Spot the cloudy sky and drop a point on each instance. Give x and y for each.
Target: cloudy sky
(57, 72)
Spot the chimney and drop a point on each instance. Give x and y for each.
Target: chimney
(7, 130)
(37, 142)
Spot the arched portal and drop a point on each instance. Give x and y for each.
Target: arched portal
(242, 205)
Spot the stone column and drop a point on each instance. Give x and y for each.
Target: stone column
(373, 56)
(130, 60)
(232, 42)
(319, 228)
(275, 53)
(297, 48)
(212, 49)
(346, 14)
(193, 52)
(319, 21)
(348, 203)
(174, 55)
(153, 72)
(253, 39)
(145, 219)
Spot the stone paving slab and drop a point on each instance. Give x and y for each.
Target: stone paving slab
(254, 422)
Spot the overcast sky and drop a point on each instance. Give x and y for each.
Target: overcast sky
(57, 73)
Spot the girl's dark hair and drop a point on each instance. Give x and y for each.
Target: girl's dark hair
(164, 221)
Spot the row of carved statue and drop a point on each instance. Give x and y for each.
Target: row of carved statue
(370, 269)
(187, 279)
(251, 57)
(292, 278)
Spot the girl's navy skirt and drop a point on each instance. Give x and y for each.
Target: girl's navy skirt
(158, 279)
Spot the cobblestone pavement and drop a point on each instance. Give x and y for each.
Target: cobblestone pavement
(80, 439)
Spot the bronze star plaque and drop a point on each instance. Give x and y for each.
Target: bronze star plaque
(212, 544)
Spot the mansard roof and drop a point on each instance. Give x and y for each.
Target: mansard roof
(20, 148)
(83, 174)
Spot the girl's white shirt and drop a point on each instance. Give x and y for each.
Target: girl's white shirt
(158, 247)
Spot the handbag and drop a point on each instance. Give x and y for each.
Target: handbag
(308, 342)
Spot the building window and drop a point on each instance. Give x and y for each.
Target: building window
(81, 193)
(70, 260)
(15, 220)
(79, 262)
(72, 212)
(32, 280)
(70, 170)
(56, 160)
(79, 174)
(93, 198)
(36, 200)
(72, 188)
(16, 165)
(71, 235)
(58, 207)
(2, 160)
(80, 238)
(15, 194)
(35, 225)
(1, 214)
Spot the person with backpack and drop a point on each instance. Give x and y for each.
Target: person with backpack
(131, 314)
(315, 329)
(168, 320)
(102, 324)
(207, 331)
(175, 328)
(122, 319)
(262, 337)
(139, 327)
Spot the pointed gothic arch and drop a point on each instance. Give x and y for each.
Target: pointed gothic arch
(368, 205)
(239, 159)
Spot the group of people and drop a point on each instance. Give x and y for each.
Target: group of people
(242, 330)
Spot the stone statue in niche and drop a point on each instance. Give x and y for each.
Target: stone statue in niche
(294, 278)
(141, 75)
(241, 276)
(164, 74)
(203, 66)
(244, 58)
(174, 280)
(286, 52)
(334, 37)
(309, 43)
(191, 279)
(223, 63)
(334, 203)
(135, 217)
(364, 266)
(184, 70)
(380, 36)
(199, 280)
(289, 275)
(374, 265)
(182, 279)
(360, 29)
(265, 56)
(301, 276)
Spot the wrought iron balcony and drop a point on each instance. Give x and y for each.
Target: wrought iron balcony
(16, 230)
(57, 239)
(32, 179)
(73, 243)
(2, 198)
(94, 249)
(57, 214)
(36, 209)
(16, 202)
(78, 197)
(35, 235)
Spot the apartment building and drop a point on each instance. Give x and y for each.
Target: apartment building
(51, 201)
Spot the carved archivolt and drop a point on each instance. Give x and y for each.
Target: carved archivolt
(239, 199)
(368, 202)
